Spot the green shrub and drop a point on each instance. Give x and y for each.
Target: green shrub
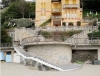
(71, 24)
(99, 28)
(44, 33)
(94, 23)
(79, 62)
(45, 23)
(5, 38)
(64, 23)
(5, 25)
(94, 34)
(62, 34)
(78, 23)
(23, 22)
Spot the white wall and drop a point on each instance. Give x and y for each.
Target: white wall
(16, 58)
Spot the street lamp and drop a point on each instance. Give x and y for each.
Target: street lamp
(91, 13)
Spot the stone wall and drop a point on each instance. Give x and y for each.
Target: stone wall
(21, 33)
(55, 54)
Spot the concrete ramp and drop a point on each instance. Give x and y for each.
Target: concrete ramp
(67, 67)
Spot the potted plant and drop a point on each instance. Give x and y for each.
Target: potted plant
(70, 24)
(78, 23)
(64, 23)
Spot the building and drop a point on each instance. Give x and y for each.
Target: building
(59, 11)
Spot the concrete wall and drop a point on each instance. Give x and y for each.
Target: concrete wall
(56, 54)
(98, 53)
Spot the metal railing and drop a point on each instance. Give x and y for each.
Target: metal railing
(71, 6)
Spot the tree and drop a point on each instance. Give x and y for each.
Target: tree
(21, 7)
(5, 38)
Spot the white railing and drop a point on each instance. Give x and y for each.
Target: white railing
(56, 17)
(56, 10)
(78, 41)
(64, 28)
(71, 6)
(25, 55)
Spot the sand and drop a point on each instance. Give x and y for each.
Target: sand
(14, 69)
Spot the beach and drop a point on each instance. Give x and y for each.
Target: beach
(16, 69)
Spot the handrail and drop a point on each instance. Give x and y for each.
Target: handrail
(35, 58)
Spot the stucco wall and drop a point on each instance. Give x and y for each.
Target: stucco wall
(56, 54)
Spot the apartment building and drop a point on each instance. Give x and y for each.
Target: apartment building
(59, 11)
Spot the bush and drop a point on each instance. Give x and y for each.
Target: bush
(64, 23)
(45, 23)
(79, 62)
(78, 23)
(44, 33)
(23, 22)
(62, 34)
(5, 25)
(5, 38)
(94, 23)
(99, 28)
(70, 24)
(95, 34)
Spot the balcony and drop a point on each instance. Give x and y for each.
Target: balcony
(81, 9)
(56, 10)
(43, 9)
(55, 0)
(71, 6)
(56, 17)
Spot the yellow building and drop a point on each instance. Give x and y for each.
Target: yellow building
(59, 11)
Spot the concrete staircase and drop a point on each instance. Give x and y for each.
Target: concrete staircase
(27, 55)
(82, 37)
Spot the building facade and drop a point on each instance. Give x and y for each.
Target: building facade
(59, 11)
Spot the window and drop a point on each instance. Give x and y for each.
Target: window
(74, 1)
(43, 6)
(67, 1)
(43, 17)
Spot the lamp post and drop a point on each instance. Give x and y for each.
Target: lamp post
(92, 13)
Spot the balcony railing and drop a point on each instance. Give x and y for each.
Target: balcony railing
(55, 0)
(56, 17)
(56, 10)
(81, 9)
(71, 6)
(43, 9)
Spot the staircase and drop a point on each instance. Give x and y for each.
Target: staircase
(82, 37)
(27, 55)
